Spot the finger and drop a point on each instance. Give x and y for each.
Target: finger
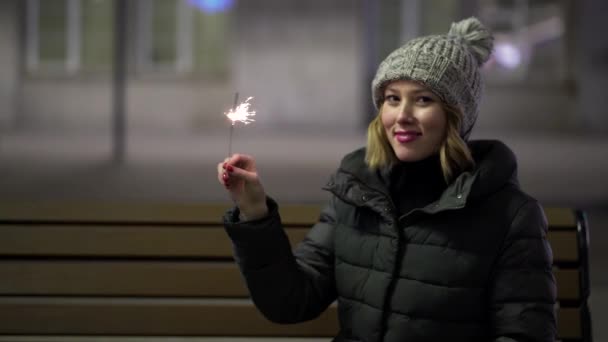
(243, 174)
(226, 180)
(224, 163)
(220, 178)
(220, 170)
(242, 161)
(222, 175)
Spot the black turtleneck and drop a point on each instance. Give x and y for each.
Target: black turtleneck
(415, 184)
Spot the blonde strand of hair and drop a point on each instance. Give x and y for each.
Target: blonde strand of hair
(379, 153)
(454, 154)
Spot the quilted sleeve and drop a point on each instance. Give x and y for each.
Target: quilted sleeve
(286, 286)
(523, 291)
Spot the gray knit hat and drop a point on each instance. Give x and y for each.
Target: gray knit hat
(447, 64)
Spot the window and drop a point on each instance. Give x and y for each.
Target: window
(180, 36)
(171, 36)
(67, 36)
(97, 34)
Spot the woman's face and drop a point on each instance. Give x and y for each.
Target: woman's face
(414, 120)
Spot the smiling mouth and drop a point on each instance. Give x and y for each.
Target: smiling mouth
(406, 137)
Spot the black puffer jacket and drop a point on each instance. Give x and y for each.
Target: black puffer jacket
(474, 265)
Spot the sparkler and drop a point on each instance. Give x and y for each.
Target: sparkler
(240, 113)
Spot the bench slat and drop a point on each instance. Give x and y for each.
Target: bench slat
(560, 218)
(569, 323)
(568, 284)
(145, 278)
(120, 241)
(184, 213)
(120, 316)
(125, 241)
(163, 241)
(121, 278)
(564, 246)
(155, 278)
(113, 212)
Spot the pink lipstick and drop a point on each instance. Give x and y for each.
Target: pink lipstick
(407, 136)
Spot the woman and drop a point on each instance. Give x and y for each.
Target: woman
(427, 236)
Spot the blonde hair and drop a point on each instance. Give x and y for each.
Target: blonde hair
(454, 154)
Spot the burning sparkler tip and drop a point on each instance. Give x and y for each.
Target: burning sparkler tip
(241, 113)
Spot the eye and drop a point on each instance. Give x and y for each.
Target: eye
(392, 99)
(425, 99)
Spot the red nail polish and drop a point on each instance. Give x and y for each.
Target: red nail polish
(229, 168)
(224, 166)
(225, 176)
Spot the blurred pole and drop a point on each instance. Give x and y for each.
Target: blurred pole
(592, 67)
(120, 76)
(74, 30)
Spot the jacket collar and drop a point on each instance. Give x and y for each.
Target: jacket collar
(495, 167)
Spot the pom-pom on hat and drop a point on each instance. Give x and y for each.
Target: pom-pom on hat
(447, 64)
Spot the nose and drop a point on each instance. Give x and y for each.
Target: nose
(406, 113)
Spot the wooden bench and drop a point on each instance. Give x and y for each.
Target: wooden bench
(74, 269)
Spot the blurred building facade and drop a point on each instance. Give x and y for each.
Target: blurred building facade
(308, 64)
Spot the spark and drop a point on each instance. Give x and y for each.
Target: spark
(241, 113)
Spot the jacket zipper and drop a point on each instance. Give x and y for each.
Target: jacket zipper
(399, 254)
(400, 245)
(398, 261)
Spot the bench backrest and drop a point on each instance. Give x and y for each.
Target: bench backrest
(167, 270)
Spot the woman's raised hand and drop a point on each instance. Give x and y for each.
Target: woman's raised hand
(240, 177)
